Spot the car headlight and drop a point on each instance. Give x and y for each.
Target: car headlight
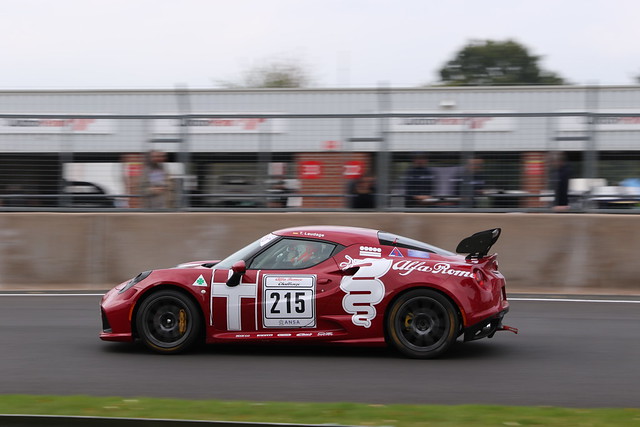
(131, 283)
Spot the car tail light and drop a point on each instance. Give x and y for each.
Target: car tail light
(492, 265)
(480, 278)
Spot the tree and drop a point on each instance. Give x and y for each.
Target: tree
(276, 73)
(488, 63)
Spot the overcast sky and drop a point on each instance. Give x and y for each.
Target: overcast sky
(111, 44)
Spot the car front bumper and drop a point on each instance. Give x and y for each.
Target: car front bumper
(116, 311)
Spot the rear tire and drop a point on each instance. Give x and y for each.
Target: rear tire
(422, 324)
(168, 322)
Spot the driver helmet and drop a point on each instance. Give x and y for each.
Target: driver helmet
(306, 252)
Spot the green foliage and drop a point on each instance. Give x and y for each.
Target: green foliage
(276, 73)
(317, 413)
(488, 63)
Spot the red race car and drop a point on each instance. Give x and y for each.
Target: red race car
(319, 284)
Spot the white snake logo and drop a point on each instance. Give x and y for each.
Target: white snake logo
(369, 289)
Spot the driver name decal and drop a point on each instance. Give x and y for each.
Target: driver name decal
(444, 268)
(364, 289)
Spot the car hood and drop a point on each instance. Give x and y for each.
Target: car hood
(198, 264)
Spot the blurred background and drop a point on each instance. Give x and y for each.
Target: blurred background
(491, 148)
(371, 105)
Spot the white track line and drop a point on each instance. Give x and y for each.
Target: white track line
(617, 301)
(35, 294)
(614, 301)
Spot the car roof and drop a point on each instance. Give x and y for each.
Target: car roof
(339, 234)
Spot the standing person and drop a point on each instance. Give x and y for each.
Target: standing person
(473, 182)
(560, 174)
(279, 193)
(362, 192)
(157, 181)
(418, 182)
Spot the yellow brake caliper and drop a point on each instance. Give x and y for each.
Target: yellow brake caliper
(182, 322)
(407, 320)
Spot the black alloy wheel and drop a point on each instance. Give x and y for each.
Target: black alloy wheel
(168, 322)
(422, 324)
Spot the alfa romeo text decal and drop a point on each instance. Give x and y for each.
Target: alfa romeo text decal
(407, 267)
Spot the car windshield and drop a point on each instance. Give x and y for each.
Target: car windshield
(246, 252)
(405, 242)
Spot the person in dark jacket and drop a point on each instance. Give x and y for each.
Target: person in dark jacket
(472, 182)
(560, 174)
(419, 183)
(362, 192)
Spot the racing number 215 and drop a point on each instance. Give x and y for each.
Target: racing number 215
(291, 300)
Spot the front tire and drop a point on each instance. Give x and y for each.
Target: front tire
(168, 322)
(422, 324)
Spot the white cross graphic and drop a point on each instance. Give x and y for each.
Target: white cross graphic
(233, 295)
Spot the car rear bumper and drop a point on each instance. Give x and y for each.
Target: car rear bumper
(488, 327)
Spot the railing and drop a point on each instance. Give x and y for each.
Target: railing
(315, 162)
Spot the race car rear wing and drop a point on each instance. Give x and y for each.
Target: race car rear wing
(478, 244)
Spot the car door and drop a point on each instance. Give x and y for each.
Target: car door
(297, 281)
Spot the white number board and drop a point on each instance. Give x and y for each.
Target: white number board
(289, 301)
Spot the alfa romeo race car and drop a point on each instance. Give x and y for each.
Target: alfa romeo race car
(318, 284)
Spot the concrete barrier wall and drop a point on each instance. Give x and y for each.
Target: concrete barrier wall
(537, 252)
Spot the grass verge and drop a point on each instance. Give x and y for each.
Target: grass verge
(317, 413)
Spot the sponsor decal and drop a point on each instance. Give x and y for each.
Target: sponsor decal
(310, 169)
(200, 281)
(364, 289)
(255, 335)
(612, 121)
(217, 125)
(289, 281)
(291, 322)
(418, 254)
(438, 123)
(370, 251)
(396, 253)
(241, 124)
(54, 126)
(444, 268)
(353, 169)
(266, 239)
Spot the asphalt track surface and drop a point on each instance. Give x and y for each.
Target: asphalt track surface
(568, 353)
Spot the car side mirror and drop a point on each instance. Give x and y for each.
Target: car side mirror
(238, 268)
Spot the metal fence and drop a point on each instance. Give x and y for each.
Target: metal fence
(382, 161)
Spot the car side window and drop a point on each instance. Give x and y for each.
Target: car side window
(292, 254)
